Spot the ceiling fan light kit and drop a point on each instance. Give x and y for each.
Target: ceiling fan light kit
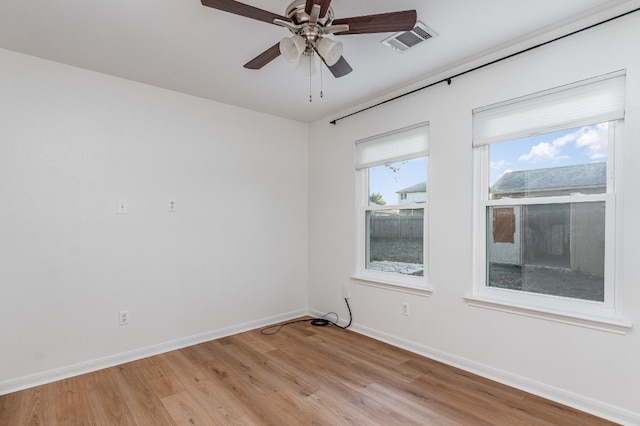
(306, 66)
(329, 50)
(292, 47)
(310, 21)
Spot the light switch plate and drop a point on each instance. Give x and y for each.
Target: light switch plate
(123, 208)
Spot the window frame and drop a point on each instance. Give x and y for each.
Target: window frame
(512, 120)
(389, 280)
(534, 304)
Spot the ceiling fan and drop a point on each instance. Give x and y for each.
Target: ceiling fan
(310, 21)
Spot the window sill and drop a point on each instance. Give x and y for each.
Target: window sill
(393, 286)
(611, 326)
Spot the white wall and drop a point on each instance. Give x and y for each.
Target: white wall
(594, 370)
(233, 256)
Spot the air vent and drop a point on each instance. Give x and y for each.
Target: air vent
(403, 41)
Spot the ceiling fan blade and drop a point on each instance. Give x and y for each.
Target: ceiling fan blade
(242, 9)
(381, 23)
(324, 6)
(340, 68)
(308, 6)
(264, 58)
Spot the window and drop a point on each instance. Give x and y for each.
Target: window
(392, 176)
(546, 199)
(546, 213)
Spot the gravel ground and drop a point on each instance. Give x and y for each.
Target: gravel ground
(405, 257)
(396, 250)
(556, 281)
(397, 255)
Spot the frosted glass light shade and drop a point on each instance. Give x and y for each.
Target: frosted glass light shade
(292, 47)
(330, 50)
(307, 65)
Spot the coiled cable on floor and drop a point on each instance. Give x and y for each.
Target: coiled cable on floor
(317, 322)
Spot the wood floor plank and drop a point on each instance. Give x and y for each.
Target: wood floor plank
(191, 369)
(107, 401)
(225, 407)
(160, 374)
(278, 376)
(35, 408)
(72, 404)
(416, 412)
(144, 405)
(302, 375)
(184, 409)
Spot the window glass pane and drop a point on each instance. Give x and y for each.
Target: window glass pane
(402, 182)
(553, 164)
(555, 249)
(395, 241)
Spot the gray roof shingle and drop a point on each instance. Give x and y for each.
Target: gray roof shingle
(418, 187)
(554, 178)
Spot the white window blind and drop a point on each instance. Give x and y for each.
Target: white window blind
(586, 102)
(398, 145)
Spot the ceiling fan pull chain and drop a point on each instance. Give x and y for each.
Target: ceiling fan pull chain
(321, 94)
(310, 98)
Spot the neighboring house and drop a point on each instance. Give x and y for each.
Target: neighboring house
(413, 194)
(566, 180)
(556, 232)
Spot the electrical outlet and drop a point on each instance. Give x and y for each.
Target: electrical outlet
(405, 309)
(124, 317)
(172, 206)
(346, 289)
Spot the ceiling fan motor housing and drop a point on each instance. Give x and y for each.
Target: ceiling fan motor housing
(309, 26)
(296, 12)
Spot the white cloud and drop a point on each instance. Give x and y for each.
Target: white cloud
(543, 152)
(563, 140)
(594, 141)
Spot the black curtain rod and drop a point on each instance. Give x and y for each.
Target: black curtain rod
(449, 79)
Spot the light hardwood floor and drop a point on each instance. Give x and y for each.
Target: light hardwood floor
(303, 375)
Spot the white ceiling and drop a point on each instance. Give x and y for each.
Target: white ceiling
(184, 46)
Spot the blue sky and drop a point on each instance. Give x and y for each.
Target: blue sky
(388, 179)
(581, 145)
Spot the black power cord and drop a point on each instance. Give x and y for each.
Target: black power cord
(318, 322)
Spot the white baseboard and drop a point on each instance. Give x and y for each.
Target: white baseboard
(579, 402)
(41, 378)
